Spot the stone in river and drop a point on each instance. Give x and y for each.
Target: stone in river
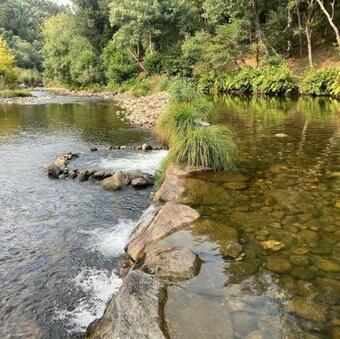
(141, 182)
(174, 263)
(273, 245)
(54, 171)
(326, 265)
(238, 186)
(94, 149)
(135, 311)
(307, 309)
(146, 147)
(170, 218)
(278, 265)
(99, 175)
(302, 273)
(309, 236)
(116, 182)
(82, 175)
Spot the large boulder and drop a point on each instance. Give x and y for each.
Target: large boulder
(116, 182)
(54, 171)
(135, 312)
(174, 263)
(170, 218)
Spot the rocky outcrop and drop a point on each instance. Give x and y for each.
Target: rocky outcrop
(58, 166)
(174, 263)
(135, 312)
(170, 218)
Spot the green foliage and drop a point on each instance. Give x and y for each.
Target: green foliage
(211, 147)
(275, 81)
(84, 69)
(139, 88)
(152, 63)
(15, 93)
(29, 77)
(119, 67)
(182, 90)
(7, 71)
(321, 82)
(181, 116)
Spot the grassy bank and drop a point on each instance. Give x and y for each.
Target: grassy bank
(14, 93)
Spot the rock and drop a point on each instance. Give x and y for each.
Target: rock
(278, 265)
(302, 273)
(281, 135)
(174, 263)
(54, 171)
(300, 250)
(123, 147)
(116, 182)
(93, 149)
(170, 218)
(244, 323)
(285, 198)
(172, 187)
(299, 260)
(141, 182)
(82, 176)
(146, 147)
(135, 312)
(326, 265)
(308, 236)
(273, 245)
(237, 185)
(309, 310)
(99, 175)
(231, 249)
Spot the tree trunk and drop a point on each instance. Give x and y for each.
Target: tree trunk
(300, 31)
(330, 20)
(289, 24)
(309, 44)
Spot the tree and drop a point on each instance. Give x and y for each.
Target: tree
(330, 17)
(7, 71)
(58, 32)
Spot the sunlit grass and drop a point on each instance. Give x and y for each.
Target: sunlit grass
(8, 93)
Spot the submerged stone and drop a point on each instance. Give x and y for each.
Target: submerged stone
(278, 265)
(237, 186)
(326, 265)
(273, 245)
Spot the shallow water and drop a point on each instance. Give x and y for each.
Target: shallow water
(60, 239)
(291, 196)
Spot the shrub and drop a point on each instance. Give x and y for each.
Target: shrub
(8, 75)
(159, 83)
(335, 87)
(29, 77)
(182, 115)
(274, 81)
(139, 88)
(213, 147)
(182, 90)
(15, 93)
(152, 63)
(321, 82)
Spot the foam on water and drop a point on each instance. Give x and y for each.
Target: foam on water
(147, 162)
(110, 242)
(99, 285)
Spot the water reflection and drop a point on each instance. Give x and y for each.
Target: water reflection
(270, 244)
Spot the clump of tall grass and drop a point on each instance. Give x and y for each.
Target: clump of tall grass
(182, 90)
(181, 116)
(210, 147)
(21, 93)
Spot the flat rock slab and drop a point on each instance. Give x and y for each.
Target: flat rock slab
(135, 312)
(171, 217)
(173, 263)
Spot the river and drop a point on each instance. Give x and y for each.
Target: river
(60, 239)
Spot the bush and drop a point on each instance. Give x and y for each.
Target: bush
(139, 88)
(182, 90)
(118, 66)
(29, 77)
(15, 93)
(212, 147)
(182, 116)
(152, 63)
(8, 75)
(321, 82)
(274, 81)
(159, 83)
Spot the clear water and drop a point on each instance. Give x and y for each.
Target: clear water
(60, 239)
(292, 196)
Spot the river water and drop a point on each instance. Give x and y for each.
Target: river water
(60, 239)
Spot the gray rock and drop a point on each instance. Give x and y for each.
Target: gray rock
(135, 312)
(141, 182)
(82, 175)
(94, 149)
(116, 182)
(54, 171)
(99, 175)
(174, 263)
(146, 147)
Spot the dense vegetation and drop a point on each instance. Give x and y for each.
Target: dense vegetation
(119, 43)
